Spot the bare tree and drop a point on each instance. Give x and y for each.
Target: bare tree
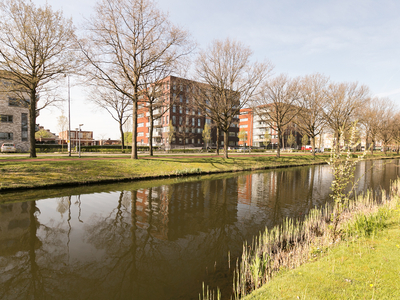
(371, 114)
(278, 104)
(396, 131)
(228, 81)
(311, 119)
(36, 45)
(386, 123)
(116, 104)
(127, 40)
(344, 101)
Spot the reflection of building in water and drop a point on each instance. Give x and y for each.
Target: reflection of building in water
(15, 227)
(171, 212)
(152, 210)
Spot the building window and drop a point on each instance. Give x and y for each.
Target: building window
(244, 120)
(16, 102)
(187, 141)
(181, 87)
(180, 109)
(187, 99)
(193, 122)
(187, 110)
(174, 87)
(24, 127)
(173, 97)
(199, 130)
(180, 140)
(198, 122)
(166, 120)
(187, 121)
(140, 106)
(243, 126)
(192, 141)
(6, 118)
(180, 120)
(140, 115)
(140, 134)
(180, 98)
(199, 112)
(232, 134)
(140, 125)
(174, 109)
(6, 136)
(173, 120)
(198, 141)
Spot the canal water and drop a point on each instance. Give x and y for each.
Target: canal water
(152, 239)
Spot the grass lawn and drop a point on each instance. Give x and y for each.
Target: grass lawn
(366, 268)
(27, 173)
(21, 172)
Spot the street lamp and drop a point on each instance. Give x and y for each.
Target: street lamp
(69, 118)
(79, 136)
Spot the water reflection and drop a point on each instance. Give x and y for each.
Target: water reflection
(159, 242)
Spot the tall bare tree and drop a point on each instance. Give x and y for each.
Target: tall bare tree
(311, 119)
(279, 103)
(116, 104)
(386, 123)
(228, 81)
(36, 50)
(371, 114)
(128, 39)
(344, 101)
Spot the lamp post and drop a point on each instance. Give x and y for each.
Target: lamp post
(69, 118)
(79, 137)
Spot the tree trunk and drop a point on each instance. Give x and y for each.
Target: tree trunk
(226, 144)
(151, 130)
(313, 146)
(278, 150)
(372, 146)
(32, 124)
(217, 143)
(134, 131)
(121, 130)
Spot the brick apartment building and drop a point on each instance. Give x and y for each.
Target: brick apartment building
(187, 119)
(256, 128)
(14, 122)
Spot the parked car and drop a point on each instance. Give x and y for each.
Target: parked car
(8, 147)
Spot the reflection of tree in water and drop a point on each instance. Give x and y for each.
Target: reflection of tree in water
(21, 277)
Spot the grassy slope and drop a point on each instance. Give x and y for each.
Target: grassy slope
(368, 268)
(27, 174)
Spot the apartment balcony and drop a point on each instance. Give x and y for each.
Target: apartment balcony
(157, 133)
(157, 123)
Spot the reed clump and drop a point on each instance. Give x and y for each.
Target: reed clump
(293, 243)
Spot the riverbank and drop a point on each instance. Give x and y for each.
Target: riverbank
(18, 172)
(303, 262)
(362, 268)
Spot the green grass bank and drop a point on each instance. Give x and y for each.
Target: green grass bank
(364, 263)
(45, 171)
(363, 268)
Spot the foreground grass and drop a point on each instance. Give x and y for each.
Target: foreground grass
(31, 174)
(366, 267)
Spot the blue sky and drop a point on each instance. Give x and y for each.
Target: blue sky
(353, 40)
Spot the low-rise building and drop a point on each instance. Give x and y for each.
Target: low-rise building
(85, 137)
(14, 122)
